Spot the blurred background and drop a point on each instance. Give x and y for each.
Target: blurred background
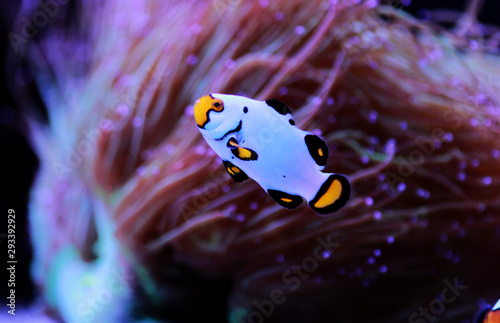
(19, 163)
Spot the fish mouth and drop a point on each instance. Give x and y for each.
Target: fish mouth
(238, 128)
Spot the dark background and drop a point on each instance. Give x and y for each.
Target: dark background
(18, 163)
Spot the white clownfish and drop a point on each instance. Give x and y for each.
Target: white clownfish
(259, 139)
(490, 315)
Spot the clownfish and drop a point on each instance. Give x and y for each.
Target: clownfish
(490, 315)
(259, 139)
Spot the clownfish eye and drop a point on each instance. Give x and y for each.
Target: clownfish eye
(218, 105)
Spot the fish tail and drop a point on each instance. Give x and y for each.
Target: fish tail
(332, 195)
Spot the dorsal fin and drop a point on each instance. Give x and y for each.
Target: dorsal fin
(279, 106)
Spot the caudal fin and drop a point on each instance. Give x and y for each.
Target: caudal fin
(333, 194)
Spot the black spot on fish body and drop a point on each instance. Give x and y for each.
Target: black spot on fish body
(278, 106)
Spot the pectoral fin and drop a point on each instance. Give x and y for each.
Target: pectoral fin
(241, 152)
(284, 199)
(235, 172)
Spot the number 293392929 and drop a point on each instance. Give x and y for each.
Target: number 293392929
(11, 260)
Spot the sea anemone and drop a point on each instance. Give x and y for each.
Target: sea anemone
(127, 185)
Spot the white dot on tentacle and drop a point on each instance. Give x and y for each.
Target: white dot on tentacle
(487, 180)
(448, 137)
(263, 3)
(230, 63)
(423, 193)
(191, 59)
(316, 100)
(372, 118)
(300, 30)
(317, 132)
